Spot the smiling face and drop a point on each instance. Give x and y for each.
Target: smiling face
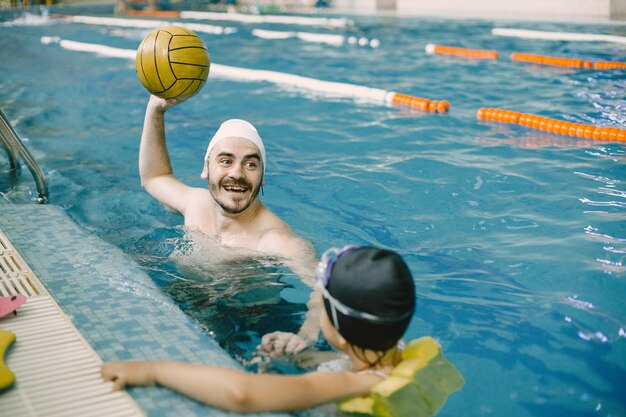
(235, 172)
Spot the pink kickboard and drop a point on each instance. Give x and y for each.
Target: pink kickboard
(11, 303)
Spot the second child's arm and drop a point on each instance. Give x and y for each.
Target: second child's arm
(238, 391)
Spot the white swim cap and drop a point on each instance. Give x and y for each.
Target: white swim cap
(237, 128)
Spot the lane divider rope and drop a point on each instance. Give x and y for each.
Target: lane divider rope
(557, 36)
(600, 65)
(169, 14)
(327, 88)
(551, 60)
(327, 38)
(145, 23)
(330, 39)
(340, 22)
(424, 104)
(461, 52)
(485, 54)
(338, 40)
(546, 124)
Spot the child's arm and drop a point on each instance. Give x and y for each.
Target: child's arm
(239, 391)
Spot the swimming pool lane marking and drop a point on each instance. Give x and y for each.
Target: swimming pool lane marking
(57, 372)
(600, 65)
(555, 61)
(154, 13)
(559, 127)
(557, 36)
(329, 39)
(89, 47)
(339, 23)
(327, 88)
(433, 49)
(338, 40)
(145, 24)
(326, 38)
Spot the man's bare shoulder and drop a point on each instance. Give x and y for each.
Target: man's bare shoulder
(198, 208)
(286, 243)
(198, 197)
(277, 237)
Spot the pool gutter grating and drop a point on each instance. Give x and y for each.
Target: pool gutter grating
(15, 275)
(57, 373)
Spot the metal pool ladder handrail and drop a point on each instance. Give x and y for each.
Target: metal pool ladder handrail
(14, 146)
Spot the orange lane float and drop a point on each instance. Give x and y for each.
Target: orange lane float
(566, 62)
(555, 126)
(424, 104)
(168, 14)
(551, 60)
(462, 52)
(600, 65)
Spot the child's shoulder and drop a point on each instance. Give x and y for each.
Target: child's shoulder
(339, 364)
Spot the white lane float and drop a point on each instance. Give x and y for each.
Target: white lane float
(326, 38)
(146, 24)
(333, 22)
(327, 88)
(557, 36)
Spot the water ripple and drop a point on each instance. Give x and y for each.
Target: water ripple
(604, 180)
(619, 204)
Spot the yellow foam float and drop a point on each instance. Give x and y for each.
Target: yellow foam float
(7, 378)
(417, 387)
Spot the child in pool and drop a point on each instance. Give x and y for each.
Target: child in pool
(369, 300)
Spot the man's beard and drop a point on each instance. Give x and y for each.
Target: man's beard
(239, 205)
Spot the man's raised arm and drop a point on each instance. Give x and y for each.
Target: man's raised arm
(155, 169)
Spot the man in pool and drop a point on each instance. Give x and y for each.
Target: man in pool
(229, 210)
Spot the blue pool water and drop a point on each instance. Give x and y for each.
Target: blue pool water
(516, 238)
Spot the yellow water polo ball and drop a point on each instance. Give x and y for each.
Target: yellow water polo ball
(172, 62)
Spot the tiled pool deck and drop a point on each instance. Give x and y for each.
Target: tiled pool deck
(112, 302)
(58, 373)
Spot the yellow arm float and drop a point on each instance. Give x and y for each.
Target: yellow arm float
(417, 387)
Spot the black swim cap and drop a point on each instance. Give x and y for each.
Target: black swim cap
(374, 281)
